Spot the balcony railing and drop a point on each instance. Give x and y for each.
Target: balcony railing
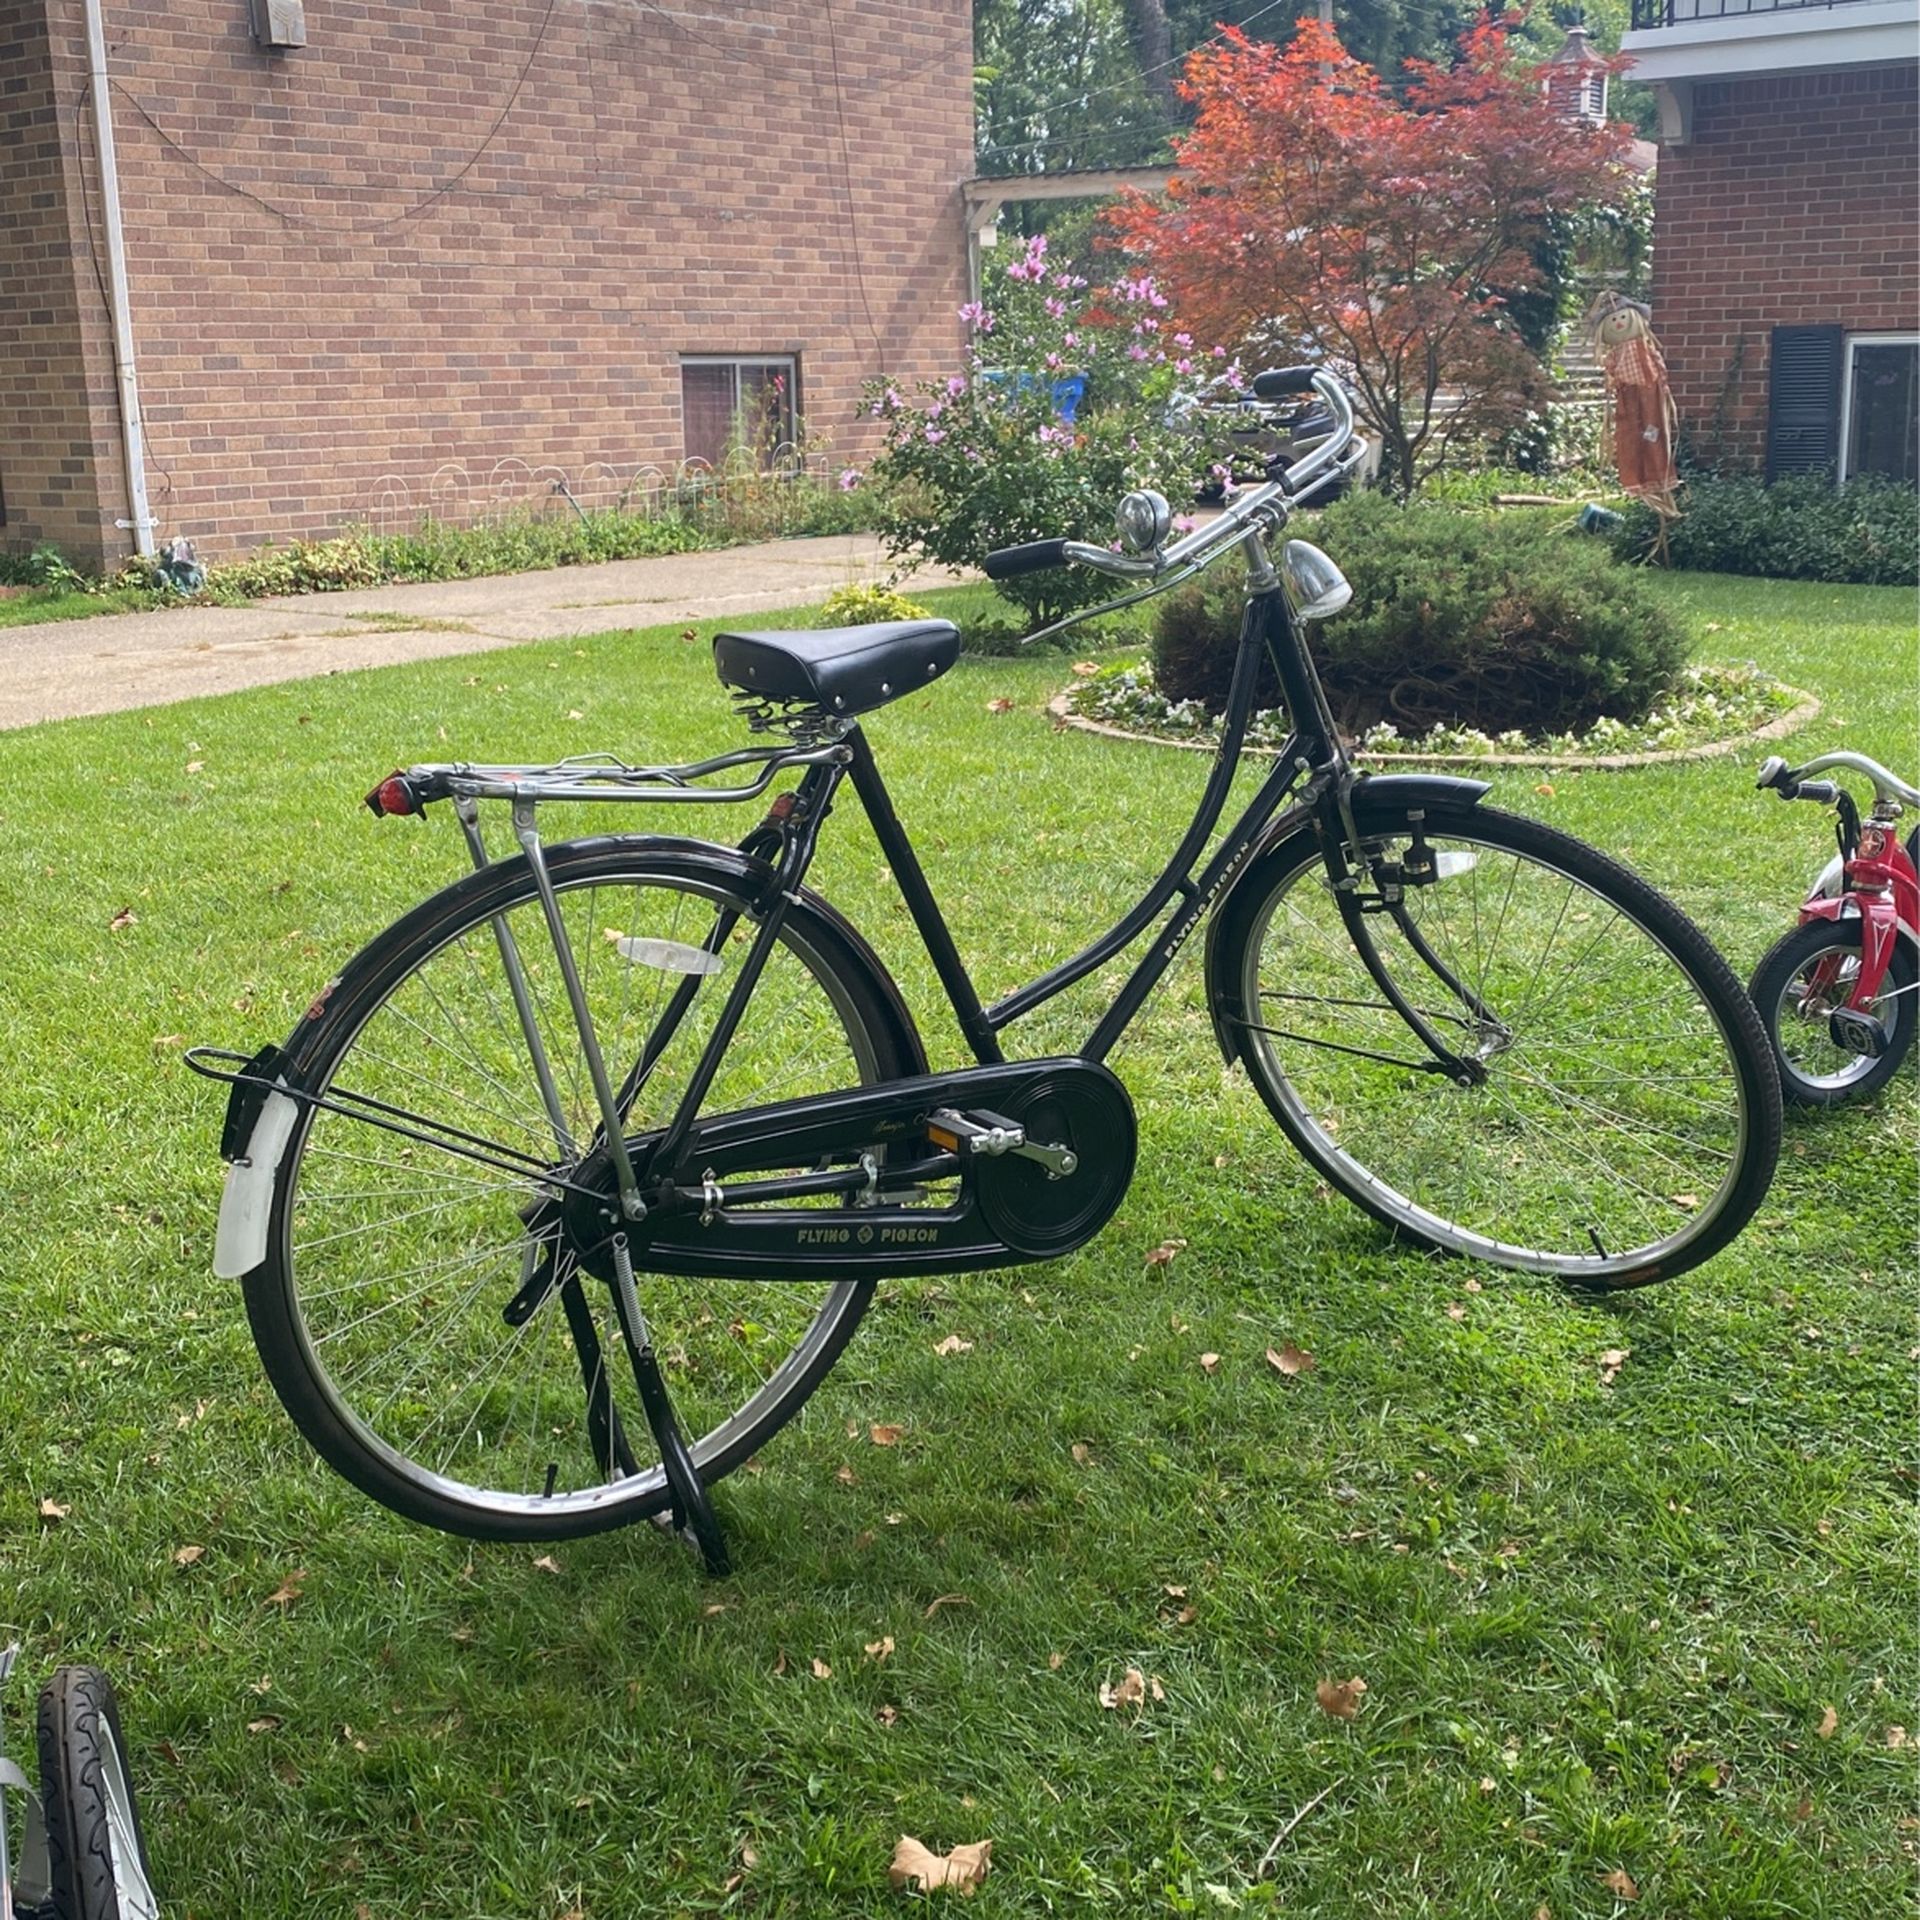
(1649, 14)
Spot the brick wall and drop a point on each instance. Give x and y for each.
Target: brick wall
(449, 233)
(51, 440)
(1796, 203)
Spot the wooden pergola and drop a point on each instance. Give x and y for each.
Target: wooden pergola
(983, 199)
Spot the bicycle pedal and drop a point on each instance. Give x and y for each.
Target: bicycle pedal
(1858, 1033)
(989, 1135)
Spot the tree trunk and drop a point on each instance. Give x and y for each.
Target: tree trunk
(1152, 37)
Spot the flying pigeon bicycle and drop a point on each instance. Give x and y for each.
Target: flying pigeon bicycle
(566, 1193)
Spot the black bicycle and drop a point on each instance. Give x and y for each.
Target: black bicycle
(508, 1202)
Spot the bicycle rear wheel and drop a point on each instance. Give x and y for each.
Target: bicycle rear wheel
(1627, 1118)
(380, 1311)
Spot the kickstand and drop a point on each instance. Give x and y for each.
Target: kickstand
(690, 1513)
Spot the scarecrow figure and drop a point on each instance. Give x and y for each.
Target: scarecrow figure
(1640, 403)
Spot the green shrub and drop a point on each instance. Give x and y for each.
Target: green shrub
(1866, 533)
(987, 458)
(1496, 623)
(859, 606)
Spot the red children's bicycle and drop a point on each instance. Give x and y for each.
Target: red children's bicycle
(1837, 995)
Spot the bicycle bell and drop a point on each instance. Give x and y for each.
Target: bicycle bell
(1142, 520)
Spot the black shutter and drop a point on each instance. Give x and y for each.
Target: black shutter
(1803, 400)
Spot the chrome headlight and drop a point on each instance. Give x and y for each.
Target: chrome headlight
(1316, 585)
(1143, 520)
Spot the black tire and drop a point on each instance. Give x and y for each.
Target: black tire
(1629, 1117)
(388, 1260)
(1803, 977)
(96, 1853)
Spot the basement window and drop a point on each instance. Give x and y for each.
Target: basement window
(1880, 407)
(745, 401)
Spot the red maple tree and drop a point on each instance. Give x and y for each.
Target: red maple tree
(1320, 215)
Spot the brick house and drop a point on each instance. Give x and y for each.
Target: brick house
(439, 244)
(1786, 269)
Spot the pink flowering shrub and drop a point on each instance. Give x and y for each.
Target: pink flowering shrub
(989, 457)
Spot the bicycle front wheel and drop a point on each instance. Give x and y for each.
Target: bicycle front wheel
(1622, 1117)
(96, 1853)
(392, 1311)
(1805, 978)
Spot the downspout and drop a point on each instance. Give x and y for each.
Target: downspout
(141, 524)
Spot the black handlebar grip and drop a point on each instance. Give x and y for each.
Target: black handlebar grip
(1035, 557)
(1822, 792)
(1278, 382)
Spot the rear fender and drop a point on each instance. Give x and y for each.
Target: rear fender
(1380, 801)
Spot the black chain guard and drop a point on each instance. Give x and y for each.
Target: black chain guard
(1009, 1209)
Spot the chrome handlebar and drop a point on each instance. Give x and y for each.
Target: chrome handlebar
(1336, 455)
(1886, 786)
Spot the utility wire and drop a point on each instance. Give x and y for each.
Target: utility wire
(1122, 86)
(418, 207)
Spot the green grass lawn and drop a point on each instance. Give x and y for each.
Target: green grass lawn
(1602, 1616)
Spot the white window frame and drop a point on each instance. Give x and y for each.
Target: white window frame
(1847, 344)
(787, 363)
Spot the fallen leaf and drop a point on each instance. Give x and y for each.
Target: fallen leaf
(195, 766)
(1611, 1362)
(1469, 1285)
(1488, 1783)
(749, 1859)
(934, 1605)
(1129, 1693)
(1897, 1737)
(265, 1724)
(886, 1715)
(1209, 1363)
(186, 1556)
(1290, 1360)
(1186, 1616)
(953, 1344)
(288, 1591)
(1340, 1698)
(1085, 667)
(879, 1649)
(52, 1512)
(1455, 1311)
(1803, 1809)
(847, 1477)
(547, 1564)
(1164, 1252)
(1082, 1453)
(1001, 705)
(780, 1661)
(964, 1867)
(821, 1671)
(1620, 1883)
(1156, 1689)
(1829, 1724)
(1686, 1202)
(1055, 1661)
(122, 920)
(170, 1040)
(1545, 787)
(886, 1436)
(711, 1608)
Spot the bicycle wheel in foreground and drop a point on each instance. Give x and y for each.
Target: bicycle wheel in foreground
(381, 1310)
(1628, 1118)
(1805, 977)
(96, 1854)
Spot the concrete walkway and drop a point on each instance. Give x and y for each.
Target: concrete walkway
(69, 667)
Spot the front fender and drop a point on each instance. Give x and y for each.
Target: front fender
(1380, 801)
